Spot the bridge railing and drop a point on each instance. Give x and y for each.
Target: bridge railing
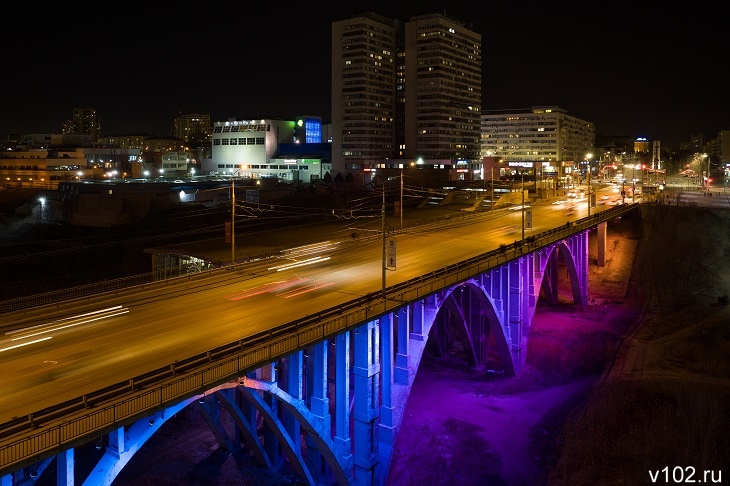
(57, 428)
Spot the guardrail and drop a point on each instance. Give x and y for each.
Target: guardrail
(55, 429)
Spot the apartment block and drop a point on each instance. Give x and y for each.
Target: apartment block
(84, 121)
(404, 92)
(193, 129)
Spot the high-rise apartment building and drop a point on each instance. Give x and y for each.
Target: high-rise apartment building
(404, 91)
(363, 91)
(84, 121)
(193, 129)
(442, 89)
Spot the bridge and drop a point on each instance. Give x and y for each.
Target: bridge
(326, 392)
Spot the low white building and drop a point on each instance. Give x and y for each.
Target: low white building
(259, 149)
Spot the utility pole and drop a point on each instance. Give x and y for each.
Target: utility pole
(589, 190)
(590, 169)
(523, 206)
(233, 221)
(383, 218)
(401, 198)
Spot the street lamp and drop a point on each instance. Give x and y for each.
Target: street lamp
(382, 213)
(401, 197)
(146, 173)
(233, 220)
(523, 206)
(233, 216)
(588, 159)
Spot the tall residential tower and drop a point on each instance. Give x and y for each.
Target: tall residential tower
(404, 91)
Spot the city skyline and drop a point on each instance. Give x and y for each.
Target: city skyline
(633, 72)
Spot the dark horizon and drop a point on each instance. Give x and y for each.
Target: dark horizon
(635, 72)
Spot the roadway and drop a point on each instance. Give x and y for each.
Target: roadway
(57, 353)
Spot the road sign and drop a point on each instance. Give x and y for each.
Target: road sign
(390, 254)
(528, 219)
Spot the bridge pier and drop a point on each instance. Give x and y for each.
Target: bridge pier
(366, 411)
(401, 372)
(319, 405)
(602, 233)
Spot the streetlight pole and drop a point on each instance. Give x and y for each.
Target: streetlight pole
(491, 205)
(523, 206)
(588, 159)
(383, 231)
(589, 192)
(401, 198)
(233, 220)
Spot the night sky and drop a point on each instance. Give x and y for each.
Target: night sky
(632, 71)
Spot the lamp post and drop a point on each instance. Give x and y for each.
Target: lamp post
(523, 206)
(383, 231)
(233, 220)
(491, 204)
(633, 184)
(401, 198)
(588, 159)
(233, 215)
